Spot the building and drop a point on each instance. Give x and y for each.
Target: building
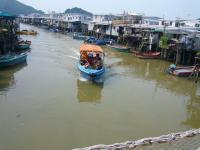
(9, 25)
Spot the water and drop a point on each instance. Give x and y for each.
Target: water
(46, 105)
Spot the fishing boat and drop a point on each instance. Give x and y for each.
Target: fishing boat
(91, 61)
(119, 47)
(147, 55)
(27, 32)
(181, 71)
(91, 40)
(79, 36)
(23, 45)
(12, 59)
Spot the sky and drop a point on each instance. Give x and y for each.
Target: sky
(171, 9)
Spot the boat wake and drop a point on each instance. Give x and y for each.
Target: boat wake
(83, 79)
(73, 57)
(75, 52)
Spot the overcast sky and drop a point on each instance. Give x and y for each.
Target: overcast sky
(168, 8)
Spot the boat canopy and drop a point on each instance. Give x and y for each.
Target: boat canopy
(91, 48)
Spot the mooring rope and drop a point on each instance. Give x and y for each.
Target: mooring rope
(144, 142)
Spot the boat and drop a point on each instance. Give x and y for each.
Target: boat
(181, 71)
(54, 30)
(91, 40)
(12, 59)
(27, 32)
(23, 45)
(79, 36)
(91, 61)
(147, 55)
(119, 47)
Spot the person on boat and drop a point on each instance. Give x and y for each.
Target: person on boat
(196, 68)
(111, 42)
(97, 61)
(84, 59)
(90, 59)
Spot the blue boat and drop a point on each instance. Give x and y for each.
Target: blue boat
(23, 46)
(90, 71)
(91, 66)
(119, 48)
(102, 41)
(12, 59)
(91, 40)
(79, 36)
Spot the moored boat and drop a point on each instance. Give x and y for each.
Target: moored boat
(119, 47)
(23, 46)
(182, 71)
(27, 32)
(12, 59)
(91, 61)
(147, 55)
(79, 36)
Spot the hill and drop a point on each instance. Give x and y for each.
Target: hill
(78, 10)
(16, 8)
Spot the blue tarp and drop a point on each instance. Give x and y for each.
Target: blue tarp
(5, 14)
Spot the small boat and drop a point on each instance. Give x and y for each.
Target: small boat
(23, 46)
(119, 47)
(54, 30)
(79, 36)
(147, 55)
(91, 61)
(91, 40)
(12, 59)
(27, 32)
(101, 42)
(181, 71)
(25, 42)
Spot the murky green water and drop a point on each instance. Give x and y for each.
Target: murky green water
(45, 105)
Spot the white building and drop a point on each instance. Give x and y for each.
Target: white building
(100, 20)
(152, 20)
(74, 17)
(190, 23)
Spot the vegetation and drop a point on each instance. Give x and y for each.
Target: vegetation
(198, 54)
(164, 42)
(16, 8)
(78, 10)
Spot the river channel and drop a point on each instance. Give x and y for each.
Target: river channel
(46, 105)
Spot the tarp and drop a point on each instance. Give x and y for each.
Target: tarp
(5, 14)
(90, 48)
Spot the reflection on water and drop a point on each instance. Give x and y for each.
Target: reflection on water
(89, 91)
(48, 106)
(7, 76)
(193, 109)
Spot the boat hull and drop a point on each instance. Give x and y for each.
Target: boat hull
(152, 55)
(12, 60)
(91, 73)
(23, 46)
(119, 48)
(180, 71)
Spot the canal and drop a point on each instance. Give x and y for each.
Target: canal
(46, 105)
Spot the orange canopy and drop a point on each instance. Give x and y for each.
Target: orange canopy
(90, 48)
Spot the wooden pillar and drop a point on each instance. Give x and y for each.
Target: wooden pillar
(178, 55)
